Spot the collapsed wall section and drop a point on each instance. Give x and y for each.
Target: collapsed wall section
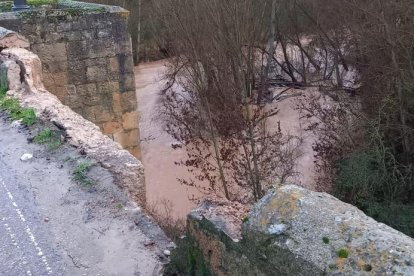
(87, 63)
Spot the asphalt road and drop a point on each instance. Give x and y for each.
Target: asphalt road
(50, 225)
(26, 245)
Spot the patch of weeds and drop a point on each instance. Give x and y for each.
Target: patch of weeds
(47, 136)
(120, 206)
(30, 14)
(80, 174)
(16, 112)
(28, 116)
(6, 6)
(3, 92)
(37, 3)
(343, 253)
(326, 240)
(187, 259)
(245, 219)
(44, 136)
(55, 144)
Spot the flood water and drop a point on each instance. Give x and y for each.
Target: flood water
(158, 157)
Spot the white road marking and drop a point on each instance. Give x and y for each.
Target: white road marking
(28, 231)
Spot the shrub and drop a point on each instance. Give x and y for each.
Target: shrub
(374, 181)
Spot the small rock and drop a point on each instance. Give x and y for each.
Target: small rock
(16, 124)
(149, 243)
(277, 229)
(26, 156)
(46, 219)
(171, 245)
(167, 252)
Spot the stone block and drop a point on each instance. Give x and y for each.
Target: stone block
(106, 89)
(77, 50)
(127, 139)
(89, 35)
(114, 65)
(87, 93)
(102, 62)
(55, 67)
(101, 48)
(72, 35)
(63, 26)
(48, 53)
(127, 82)
(135, 151)
(55, 83)
(76, 72)
(130, 120)
(128, 101)
(96, 74)
(110, 128)
(116, 103)
(10, 39)
(103, 114)
(126, 63)
(104, 34)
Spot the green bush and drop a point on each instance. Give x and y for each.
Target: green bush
(379, 185)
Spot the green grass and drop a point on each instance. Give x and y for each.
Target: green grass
(343, 253)
(326, 240)
(80, 174)
(15, 111)
(3, 92)
(44, 136)
(12, 105)
(47, 136)
(36, 3)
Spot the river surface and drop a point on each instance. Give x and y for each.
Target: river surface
(158, 157)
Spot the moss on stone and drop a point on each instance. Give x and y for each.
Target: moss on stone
(187, 259)
(343, 253)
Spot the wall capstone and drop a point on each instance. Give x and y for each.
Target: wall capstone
(294, 231)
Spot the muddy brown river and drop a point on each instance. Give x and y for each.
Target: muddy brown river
(158, 157)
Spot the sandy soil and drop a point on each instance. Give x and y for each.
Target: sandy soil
(158, 157)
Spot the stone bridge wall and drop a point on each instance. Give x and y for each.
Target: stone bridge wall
(294, 231)
(87, 62)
